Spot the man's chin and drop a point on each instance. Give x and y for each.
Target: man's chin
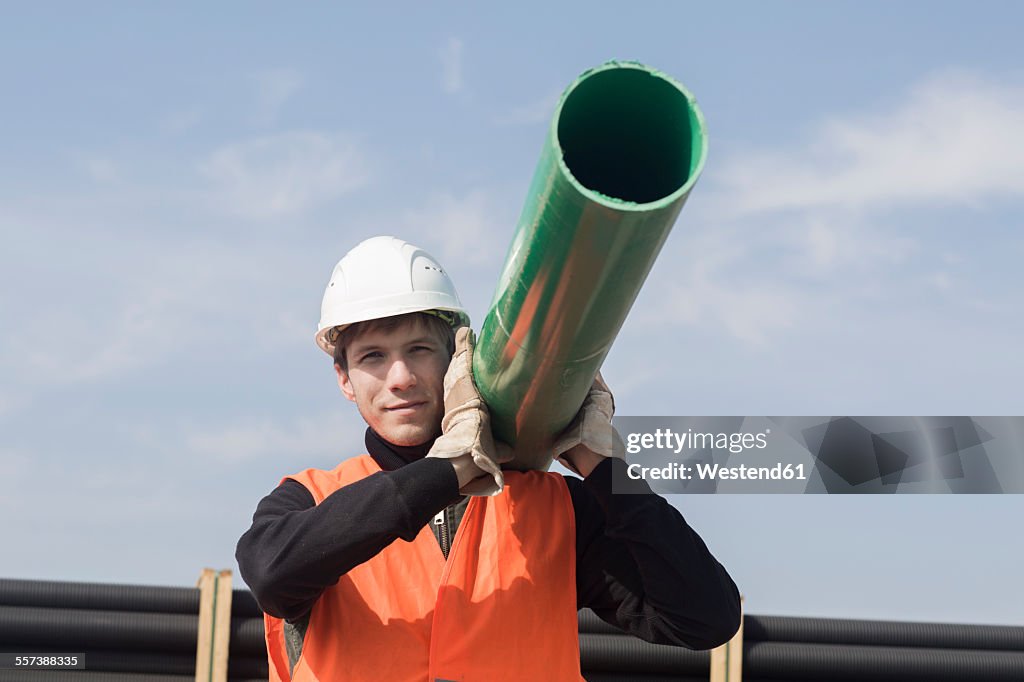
(403, 431)
(409, 435)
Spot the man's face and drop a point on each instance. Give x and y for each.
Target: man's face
(396, 379)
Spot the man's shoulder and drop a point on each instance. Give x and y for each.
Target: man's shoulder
(322, 482)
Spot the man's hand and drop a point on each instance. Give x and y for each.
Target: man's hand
(466, 471)
(590, 438)
(466, 427)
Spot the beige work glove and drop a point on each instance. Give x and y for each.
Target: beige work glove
(592, 427)
(466, 425)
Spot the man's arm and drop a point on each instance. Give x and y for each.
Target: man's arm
(296, 549)
(641, 567)
(638, 564)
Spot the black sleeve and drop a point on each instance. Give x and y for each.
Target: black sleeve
(640, 567)
(295, 549)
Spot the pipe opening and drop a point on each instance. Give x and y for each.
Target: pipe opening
(629, 134)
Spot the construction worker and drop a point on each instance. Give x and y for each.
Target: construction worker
(422, 559)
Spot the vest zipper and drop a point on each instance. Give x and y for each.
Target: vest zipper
(441, 520)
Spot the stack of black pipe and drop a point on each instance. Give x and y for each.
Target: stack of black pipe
(148, 634)
(880, 651)
(127, 632)
(609, 655)
(818, 649)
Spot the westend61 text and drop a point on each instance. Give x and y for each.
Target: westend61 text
(714, 472)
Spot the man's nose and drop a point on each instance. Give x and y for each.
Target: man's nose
(400, 376)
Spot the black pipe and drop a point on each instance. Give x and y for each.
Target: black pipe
(864, 632)
(881, 633)
(105, 616)
(123, 630)
(619, 653)
(81, 629)
(591, 623)
(247, 637)
(244, 666)
(879, 664)
(243, 605)
(111, 597)
(632, 677)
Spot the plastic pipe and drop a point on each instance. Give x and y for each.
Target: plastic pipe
(624, 149)
(114, 597)
(635, 677)
(879, 664)
(882, 633)
(620, 653)
(862, 632)
(100, 596)
(121, 630)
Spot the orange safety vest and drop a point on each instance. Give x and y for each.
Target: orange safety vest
(503, 605)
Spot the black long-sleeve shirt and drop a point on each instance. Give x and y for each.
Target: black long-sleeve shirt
(639, 566)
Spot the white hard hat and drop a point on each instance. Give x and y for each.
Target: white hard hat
(383, 277)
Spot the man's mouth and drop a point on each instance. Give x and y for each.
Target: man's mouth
(410, 406)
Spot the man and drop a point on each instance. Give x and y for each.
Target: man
(423, 560)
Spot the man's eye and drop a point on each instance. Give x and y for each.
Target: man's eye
(419, 349)
(372, 355)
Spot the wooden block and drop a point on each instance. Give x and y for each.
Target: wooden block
(222, 627)
(727, 660)
(204, 641)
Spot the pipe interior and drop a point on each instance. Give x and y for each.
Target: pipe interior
(630, 135)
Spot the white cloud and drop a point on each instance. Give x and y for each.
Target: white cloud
(7, 403)
(949, 142)
(706, 286)
(286, 173)
(252, 438)
(134, 303)
(117, 331)
(751, 313)
(274, 88)
(467, 227)
(179, 121)
(17, 469)
(136, 334)
(538, 111)
(451, 66)
(754, 280)
(821, 243)
(941, 281)
(102, 170)
(792, 234)
(14, 464)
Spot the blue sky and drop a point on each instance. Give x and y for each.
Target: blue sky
(177, 181)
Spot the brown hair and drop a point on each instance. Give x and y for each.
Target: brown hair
(435, 324)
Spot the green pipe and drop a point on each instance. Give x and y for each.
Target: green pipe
(626, 145)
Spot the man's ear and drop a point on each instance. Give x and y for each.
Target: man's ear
(344, 383)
